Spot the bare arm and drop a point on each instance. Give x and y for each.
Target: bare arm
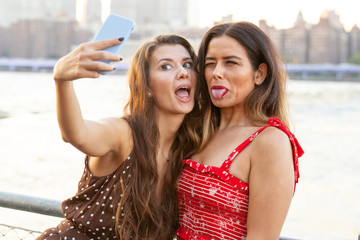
(271, 185)
(90, 137)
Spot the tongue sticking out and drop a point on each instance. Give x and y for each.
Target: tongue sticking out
(218, 93)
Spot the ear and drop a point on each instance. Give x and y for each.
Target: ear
(260, 74)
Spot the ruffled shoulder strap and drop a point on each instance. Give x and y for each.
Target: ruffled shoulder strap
(297, 149)
(226, 164)
(275, 122)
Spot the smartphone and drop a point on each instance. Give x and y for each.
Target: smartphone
(115, 26)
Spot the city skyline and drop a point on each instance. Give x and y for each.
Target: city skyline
(42, 31)
(255, 11)
(279, 13)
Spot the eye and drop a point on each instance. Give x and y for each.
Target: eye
(188, 65)
(207, 64)
(165, 66)
(231, 62)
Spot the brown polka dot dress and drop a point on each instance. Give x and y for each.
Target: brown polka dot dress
(90, 214)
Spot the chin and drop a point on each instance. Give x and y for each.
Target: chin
(188, 109)
(219, 103)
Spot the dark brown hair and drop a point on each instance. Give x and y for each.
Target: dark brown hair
(269, 98)
(141, 214)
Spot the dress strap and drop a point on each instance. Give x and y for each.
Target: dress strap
(275, 122)
(296, 148)
(226, 165)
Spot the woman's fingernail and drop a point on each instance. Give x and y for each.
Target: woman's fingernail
(121, 39)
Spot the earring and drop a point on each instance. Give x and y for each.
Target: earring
(257, 83)
(149, 94)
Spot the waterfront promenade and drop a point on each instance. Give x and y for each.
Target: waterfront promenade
(342, 71)
(38, 65)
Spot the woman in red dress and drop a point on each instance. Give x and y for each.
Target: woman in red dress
(240, 185)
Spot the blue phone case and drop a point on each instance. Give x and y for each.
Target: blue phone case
(115, 26)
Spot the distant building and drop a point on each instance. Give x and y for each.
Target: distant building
(41, 39)
(12, 11)
(325, 42)
(277, 36)
(328, 40)
(296, 42)
(51, 28)
(176, 12)
(126, 8)
(354, 42)
(88, 12)
(153, 17)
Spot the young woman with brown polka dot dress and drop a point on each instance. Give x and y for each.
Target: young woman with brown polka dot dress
(128, 188)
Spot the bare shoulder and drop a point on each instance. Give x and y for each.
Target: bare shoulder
(117, 123)
(273, 137)
(120, 128)
(272, 145)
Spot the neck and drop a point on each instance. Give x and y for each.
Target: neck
(233, 116)
(168, 125)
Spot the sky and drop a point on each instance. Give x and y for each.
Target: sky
(278, 13)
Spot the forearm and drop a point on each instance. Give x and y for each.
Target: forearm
(79, 63)
(70, 120)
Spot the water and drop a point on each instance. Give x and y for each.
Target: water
(326, 115)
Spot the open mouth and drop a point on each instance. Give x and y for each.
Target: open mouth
(183, 93)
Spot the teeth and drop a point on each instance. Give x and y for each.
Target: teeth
(185, 88)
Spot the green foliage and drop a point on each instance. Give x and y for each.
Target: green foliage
(355, 59)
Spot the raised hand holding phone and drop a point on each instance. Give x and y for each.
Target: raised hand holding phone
(80, 63)
(115, 26)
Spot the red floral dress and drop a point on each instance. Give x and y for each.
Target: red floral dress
(213, 203)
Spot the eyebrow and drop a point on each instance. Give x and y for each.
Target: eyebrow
(171, 60)
(227, 57)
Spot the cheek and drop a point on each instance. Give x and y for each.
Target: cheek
(152, 82)
(157, 83)
(208, 75)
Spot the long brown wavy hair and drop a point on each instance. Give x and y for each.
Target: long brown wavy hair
(140, 213)
(269, 98)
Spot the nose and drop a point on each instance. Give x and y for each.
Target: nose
(183, 73)
(218, 72)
